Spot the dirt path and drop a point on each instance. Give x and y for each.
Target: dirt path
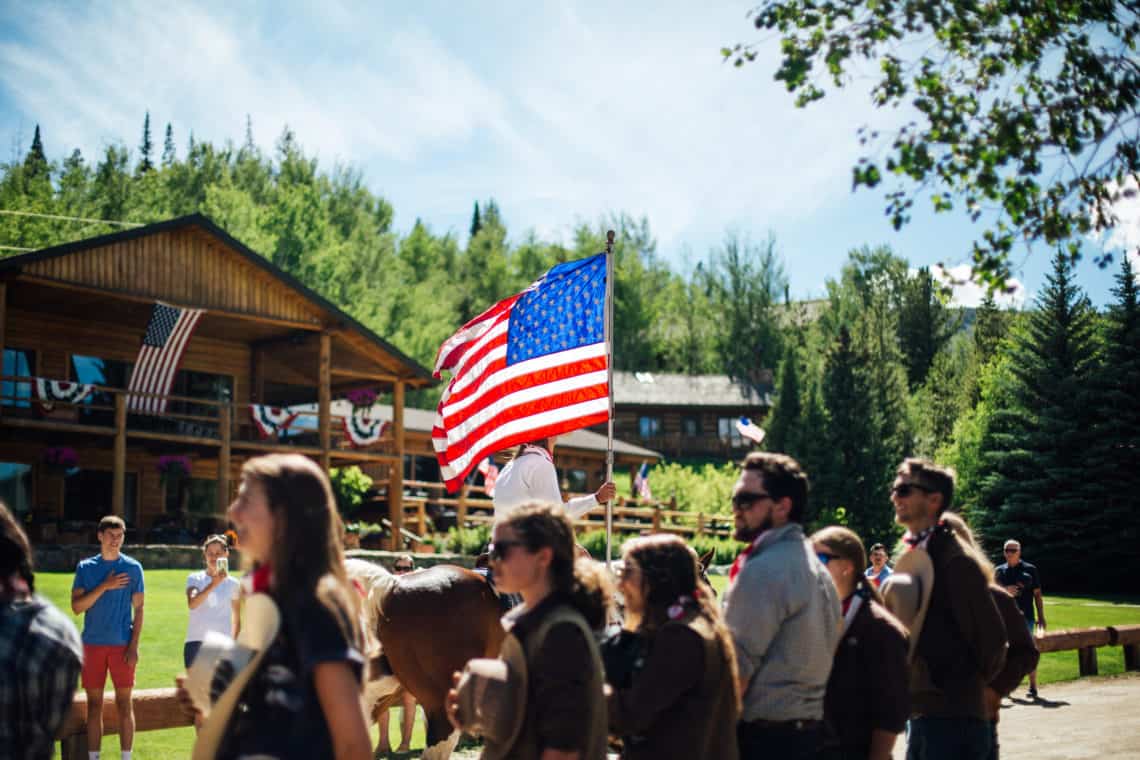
(1074, 720)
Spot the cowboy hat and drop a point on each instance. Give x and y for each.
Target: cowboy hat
(492, 699)
(229, 669)
(907, 592)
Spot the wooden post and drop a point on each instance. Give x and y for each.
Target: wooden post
(396, 471)
(324, 397)
(461, 506)
(256, 376)
(224, 459)
(1132, 656)
(421, 518)
(656, 518)
(119, 476)
(700, 523)
(1086, 660)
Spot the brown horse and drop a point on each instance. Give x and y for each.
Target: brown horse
(430, 623)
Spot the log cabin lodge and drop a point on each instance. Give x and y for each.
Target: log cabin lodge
(75, 445)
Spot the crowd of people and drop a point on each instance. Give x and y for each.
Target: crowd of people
(818, 650)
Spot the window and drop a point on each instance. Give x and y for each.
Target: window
(649, 427)
(727, 432)
(87, 495)
(18, 362)
(111, 373)
(690, 426)
(16, 486)
(197, 496)
(573, 481)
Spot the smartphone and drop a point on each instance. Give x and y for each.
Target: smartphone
(223, 565)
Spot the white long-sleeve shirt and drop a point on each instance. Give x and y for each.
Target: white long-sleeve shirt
(531, 477)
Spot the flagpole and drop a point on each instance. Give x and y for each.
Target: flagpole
(609, 316)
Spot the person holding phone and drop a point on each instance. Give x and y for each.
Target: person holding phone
(213, 598)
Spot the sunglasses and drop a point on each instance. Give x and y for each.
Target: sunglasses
(1012, 551)
(498, 549)
(903, 490)
(824, 557)
(743, 501)
(403, 568)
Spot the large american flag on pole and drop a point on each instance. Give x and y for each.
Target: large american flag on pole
(531, 366)
(165, 341)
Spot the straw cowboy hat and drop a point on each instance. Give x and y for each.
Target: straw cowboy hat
(492, 699)
(907, 592)
(227, 666)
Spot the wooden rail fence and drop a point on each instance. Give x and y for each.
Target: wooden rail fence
(157, 709)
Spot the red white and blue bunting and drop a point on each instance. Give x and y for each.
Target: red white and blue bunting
(52, 392)
(362, 425)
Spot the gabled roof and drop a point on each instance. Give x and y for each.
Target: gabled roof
(22, 261)
(668, 389)
(422, 420)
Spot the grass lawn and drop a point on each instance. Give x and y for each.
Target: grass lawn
(160, 658)
(164, 629)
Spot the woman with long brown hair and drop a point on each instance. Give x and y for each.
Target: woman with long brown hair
(550, 638)
(682, 700)
(304, 698)
(867, 700)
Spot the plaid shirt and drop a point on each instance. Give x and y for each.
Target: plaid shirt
(40, 659)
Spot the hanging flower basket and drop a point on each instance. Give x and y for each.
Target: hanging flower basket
(60, 459)
(361, 398)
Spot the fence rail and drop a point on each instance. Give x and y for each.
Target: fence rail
(157, 709)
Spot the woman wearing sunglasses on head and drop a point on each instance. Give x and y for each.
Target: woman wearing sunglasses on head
(550, 637)
(683, 699)
(867, 702)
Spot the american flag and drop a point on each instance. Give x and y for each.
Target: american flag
(530, 367)
(490, 472)
(750, 430)
(641, 482)
(166, 337)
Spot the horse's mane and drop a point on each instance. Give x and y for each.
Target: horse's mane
(376, 582)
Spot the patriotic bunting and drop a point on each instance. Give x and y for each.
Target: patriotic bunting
(52, 392)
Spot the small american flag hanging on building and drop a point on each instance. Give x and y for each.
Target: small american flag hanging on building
(165, 341)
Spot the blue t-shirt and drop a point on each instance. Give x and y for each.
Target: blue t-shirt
(108, 621)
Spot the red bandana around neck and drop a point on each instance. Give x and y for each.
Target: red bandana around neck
(738, 563)
(261, 579)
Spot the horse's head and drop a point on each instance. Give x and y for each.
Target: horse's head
(705, 561)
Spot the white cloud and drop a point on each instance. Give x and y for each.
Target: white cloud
(965, 291)
(1125, 234)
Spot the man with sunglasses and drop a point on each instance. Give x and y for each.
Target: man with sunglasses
(961, 642)
(1023, 583)
(783, 612)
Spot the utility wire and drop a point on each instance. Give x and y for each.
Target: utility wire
(70, 218)
(15, 248)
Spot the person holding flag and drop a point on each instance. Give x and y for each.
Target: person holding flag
(531, 476)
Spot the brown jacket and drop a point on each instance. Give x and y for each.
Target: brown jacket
(867, 689)
(962, 645)
(565, 706)
(1023, 655)
(682, 703)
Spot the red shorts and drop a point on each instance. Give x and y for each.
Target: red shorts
(98, 659)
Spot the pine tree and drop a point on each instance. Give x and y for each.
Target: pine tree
(146, 148)
(1117, 456)
(924, 325)
(786, 421)
(169, 154)
(476, 222)
(1042, 489)
(36, 167)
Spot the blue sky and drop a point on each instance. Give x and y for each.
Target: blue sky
(560, 111)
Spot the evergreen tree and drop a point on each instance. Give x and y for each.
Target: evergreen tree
(1041, 488)
(786, 420)
(146, 148)
(36, 167)
(925, 325)
(1117, 456)
(169, 155)
(476, 222)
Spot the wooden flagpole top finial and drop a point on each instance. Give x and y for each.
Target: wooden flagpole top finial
(609, 240)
